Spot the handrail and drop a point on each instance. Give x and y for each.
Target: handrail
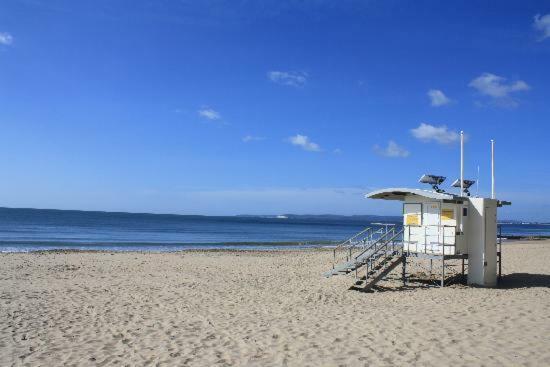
(354, 241)
(428, 225)
(435, 225)
(352, 238)
(358, 234)
(349, 240)
(440, 235)
(386, 241)
(380, 230)
(372, 258)
(383, 234)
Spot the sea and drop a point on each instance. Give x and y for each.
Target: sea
(25, 230)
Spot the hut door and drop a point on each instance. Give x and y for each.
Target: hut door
(431, 222)
(412, 220)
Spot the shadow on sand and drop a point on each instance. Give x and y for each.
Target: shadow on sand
(509, 281)
(524, 280)
(413, 282)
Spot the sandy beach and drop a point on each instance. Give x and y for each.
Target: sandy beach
(262, 309)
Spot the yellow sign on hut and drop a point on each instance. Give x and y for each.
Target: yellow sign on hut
(412, 220)
(447, 214)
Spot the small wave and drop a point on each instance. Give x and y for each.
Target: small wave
(33, 246)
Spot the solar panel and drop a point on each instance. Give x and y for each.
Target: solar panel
(433, 180)
(467, 183)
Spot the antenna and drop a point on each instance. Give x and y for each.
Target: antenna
(433, 180)
(492, 169)
(462, 163)
(477, 182)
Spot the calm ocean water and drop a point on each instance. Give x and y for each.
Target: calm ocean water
(23, 230)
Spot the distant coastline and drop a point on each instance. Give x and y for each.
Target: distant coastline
(352, 217)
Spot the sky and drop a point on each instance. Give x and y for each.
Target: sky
(268, 107)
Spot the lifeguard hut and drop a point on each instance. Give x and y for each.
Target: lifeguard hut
(437, 225)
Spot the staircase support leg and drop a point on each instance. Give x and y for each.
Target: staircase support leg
(500, 265)
(431, 266)
(442, 271)
(404, 270)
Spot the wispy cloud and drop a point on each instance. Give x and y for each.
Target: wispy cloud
(440, 134)
(495, 86)
(290, 78)
(250, 138)
(392, 150)
(542, 24)
(209, 113)
(6, 38)
(304, 142)
(438, 98)
(498, 89)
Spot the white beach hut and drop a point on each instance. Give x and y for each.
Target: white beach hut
(437, 225)
(443, 226)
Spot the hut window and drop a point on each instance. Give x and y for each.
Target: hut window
(413, 214)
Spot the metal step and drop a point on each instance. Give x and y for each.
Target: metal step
(350, 266)
(384, 270)
(370, 254)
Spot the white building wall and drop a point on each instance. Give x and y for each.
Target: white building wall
(429, 236)
(481, 241)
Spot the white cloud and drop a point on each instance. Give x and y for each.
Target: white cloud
(337, 151)
(496, 87)
(209, 114)
(6, 38)
(303, 142)
(290, 78)
(440, 134)
(542, 24)
(438, 98)
(392, 150)
(249, 138)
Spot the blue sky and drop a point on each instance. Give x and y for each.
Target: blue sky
(230, 107)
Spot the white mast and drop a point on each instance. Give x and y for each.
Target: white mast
(462, 163)
(492, 169)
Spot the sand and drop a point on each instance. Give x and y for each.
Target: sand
(262, 309)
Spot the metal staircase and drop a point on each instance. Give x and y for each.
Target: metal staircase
(380, 256)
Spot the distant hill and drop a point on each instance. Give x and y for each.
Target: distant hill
(363, 218)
